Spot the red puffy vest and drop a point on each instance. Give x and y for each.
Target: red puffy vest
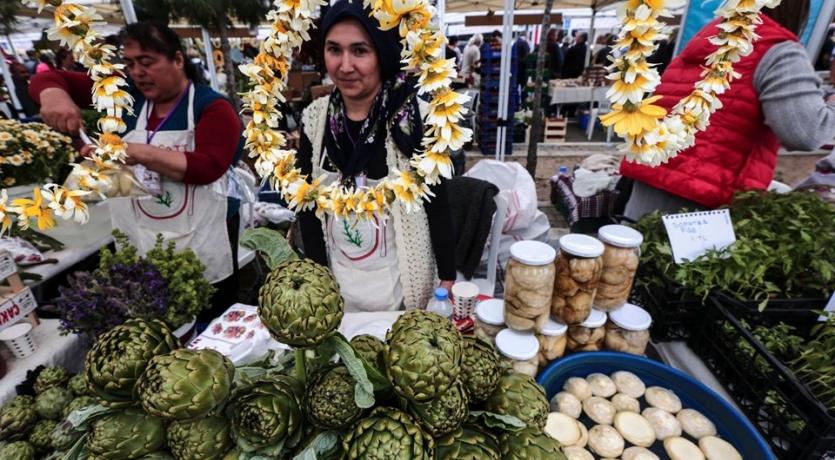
(738, 151)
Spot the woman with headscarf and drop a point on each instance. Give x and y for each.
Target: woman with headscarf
(370, 125)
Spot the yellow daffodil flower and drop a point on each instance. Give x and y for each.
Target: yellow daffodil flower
(34, 209)
(636, 120)
(436, 75)
(6, 212)
(67, 204)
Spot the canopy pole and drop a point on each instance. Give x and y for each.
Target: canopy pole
(128, 11)
(504, 83)
(12, 48)
(440, 6)
(10, 85)
(210, 59)
(590, 42)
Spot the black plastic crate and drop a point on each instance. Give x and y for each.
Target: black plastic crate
(791, 420)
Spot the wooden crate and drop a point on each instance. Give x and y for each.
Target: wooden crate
(556, 129)
(16, 300)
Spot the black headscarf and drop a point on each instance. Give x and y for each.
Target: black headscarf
(394, 110)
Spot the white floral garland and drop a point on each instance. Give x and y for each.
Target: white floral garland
(653, 137)
(75, 28)
(423, 50)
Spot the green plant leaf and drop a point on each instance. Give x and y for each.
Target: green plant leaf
(324, 444)
(492, 420)
(272, 246)
(364, 390)
(79, 419)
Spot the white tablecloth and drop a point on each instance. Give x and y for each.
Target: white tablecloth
(570, 94)
(51, 349)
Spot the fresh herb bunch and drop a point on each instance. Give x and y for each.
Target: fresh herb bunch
(814, 366)
(31, 153)
(190, 291)
(95, 302)
(785, 248)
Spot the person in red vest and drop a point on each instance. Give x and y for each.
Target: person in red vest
(778, 100)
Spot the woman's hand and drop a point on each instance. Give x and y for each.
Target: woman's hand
(59, 112)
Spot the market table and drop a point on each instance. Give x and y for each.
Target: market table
(51, 349)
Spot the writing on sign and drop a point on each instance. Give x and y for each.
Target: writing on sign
(7, 265)
(15, 307)
(692, 234)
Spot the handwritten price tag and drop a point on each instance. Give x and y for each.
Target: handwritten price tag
(693, 234)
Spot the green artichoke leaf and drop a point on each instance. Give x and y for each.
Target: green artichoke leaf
(257, 452)
(79, 418)
(323, 445)
(78, 451)
(358, 368)
(495, 421)
(272, 245)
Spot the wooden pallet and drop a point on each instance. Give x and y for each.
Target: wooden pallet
(555, 129)
(17, 303)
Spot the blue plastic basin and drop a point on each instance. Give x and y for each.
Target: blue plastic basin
(730, 424)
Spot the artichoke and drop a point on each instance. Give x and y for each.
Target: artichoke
(443, 414)
(64, 436)
(18, 450)
(467, 442)
(16, 422)
(121, 355)
(186, 384)
(422, 355)
(80, 402)
(266, 412)
(55, 376)
(51, 403)
(388, 434)
(233, 454)
(370, 348)
(41, 437)
(158, 455)
(480, 368)
(530, 444)
(300, 303)
(204, 439)
(128, 433)
(19, 401)
(329, 399)
(78, 385)
(520, 396)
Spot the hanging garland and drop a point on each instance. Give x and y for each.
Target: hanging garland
(74, 27)
(423, 50)
(653, 137)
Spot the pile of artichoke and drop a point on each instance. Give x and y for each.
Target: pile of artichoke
(425, 392)
(28, 422)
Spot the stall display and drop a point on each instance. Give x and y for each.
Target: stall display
(519, 351)
(627, 330)
(489, 319)
(588, 335)
(552, 342)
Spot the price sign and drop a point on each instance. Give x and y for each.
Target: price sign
(693, 234)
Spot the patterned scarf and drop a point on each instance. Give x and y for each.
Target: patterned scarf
(394, 111)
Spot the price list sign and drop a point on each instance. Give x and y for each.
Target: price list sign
(692, 234)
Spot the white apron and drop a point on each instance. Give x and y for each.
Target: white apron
(363, 260)
(192, 216)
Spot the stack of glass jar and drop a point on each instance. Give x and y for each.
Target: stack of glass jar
(568, 301)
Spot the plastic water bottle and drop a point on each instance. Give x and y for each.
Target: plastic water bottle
(441, 304)
(563, 170)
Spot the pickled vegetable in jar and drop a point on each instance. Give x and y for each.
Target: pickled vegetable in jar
(529, 284)
(520, 350)
(589, 335)
(489, 319)
(578, 266)
(620, 262)
(627, 330)
(552, 342)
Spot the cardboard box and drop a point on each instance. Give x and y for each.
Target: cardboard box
(7, 265)
(15, 306)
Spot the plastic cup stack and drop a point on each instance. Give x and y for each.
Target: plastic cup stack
(18, 338)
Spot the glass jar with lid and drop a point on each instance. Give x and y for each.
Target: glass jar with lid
(627, 330)
(578, 266)
(529, 284)
(622, 249)
(489, 319)
(519, 350)
(588, 335)
(552, 341)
